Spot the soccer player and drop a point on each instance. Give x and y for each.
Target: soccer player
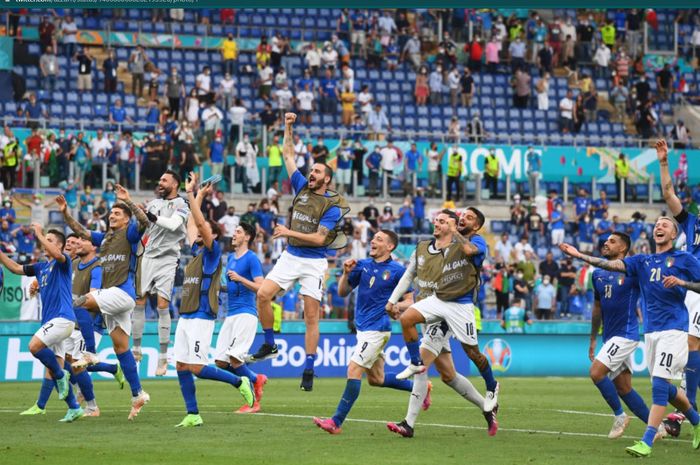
(690, 224)
(157, 266)
(426, 264)
(316, 212)
(661, 279)
(243, 279)
(58, 317)
(448, 264)
(375, 277)
(616, 298)
(115, 298)
(198, 310)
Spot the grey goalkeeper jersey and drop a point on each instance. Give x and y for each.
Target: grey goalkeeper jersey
(159, 241)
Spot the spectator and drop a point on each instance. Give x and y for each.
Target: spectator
(412, 51)
(216, 155)
(622, 171)
(345, 158)
(468, 87)
(492, 171)
(434, 157)
(46, 33)
(600, 206)
(320, 151)
(246, 165)
(364, 100)
(265, 75)
(189, 158)
(535, 227)
(680, 134)
(607, 33)
(213, 118)
(387, 219)
(545, 299)
(586, 34)
(264, 217)
(419, 211)
(454, 131)
(582, 204)
(84, 60)
(48, 64)
(422, 90)
(358, 36)
(117, 114)
(227, 91)
(347, 103)
(493, 48)
(534, 168)
(643, 89)
(603, 230)
(503, 249)
(373, 163)
(476, 53)
(566, 113)
(454, 172)
(601, 60)
(274, 159)
(229, 54)
(174, 91)
(542, 88)
(585, 233)
(69, 31)
(268, 117)
(521, 88)
(34, 112)
(521, 290)
(284, 98)
(454, 84)
(548, 267)
(305, 104)
(622, 66)
(391, 157)
(228, 223)
(618, 96)
(137, 66)
(567, 276)
(435, 83)
(664, 82)
(517, 54)
(378, 123)
(262, 53)
(110, 67)
(538, 39)
(329, 57)
(280, 78)
(406, 217)
(556, 226)
(579, 113)
(125, 154)
(313, 59)
(329, 93)
(412, 164)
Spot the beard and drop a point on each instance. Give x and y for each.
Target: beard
(164, 192)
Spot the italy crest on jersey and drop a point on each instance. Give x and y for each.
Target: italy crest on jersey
(620, 280)
(386, 275)
(669, 262)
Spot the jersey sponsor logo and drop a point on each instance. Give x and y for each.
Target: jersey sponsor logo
(303, 217)
(303, 198)
(191, 280)
(114, 258)
(499, 354)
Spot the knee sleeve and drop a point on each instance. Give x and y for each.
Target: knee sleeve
(672, 392)
(659, 391)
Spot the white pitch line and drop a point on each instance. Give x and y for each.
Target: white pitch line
(384, 422)
(576, 412)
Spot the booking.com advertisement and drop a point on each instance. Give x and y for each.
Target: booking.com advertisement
(509, 355)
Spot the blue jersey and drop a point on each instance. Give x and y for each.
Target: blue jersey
(375, 282)
(635, 229)
(240, 298)
(477, 260)
(134, 237)
(335, 300)
(664, 309)
(290, 299)
(210, 260)
(557, 220)
(691, 227)
(604, 225)
(618, 295)
(328, 220)
(25, 242)
(582, 204)
(600, 206)
(54, 288)
(585, 232)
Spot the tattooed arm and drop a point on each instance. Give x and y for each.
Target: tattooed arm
(76, 227)
(123, 195)
(310, 239)
(288, 144)
(672, 200)
(673, 281)
(610, 265)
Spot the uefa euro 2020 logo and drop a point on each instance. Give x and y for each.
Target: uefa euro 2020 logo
(499, 354)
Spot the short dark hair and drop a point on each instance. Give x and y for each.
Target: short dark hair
(124, 208)
(328, 171)
(249, 231)
(481, 219)
(59, 235)
(450, 213)
(72, 235)
(393, 237)
(624, 238)
(175, 175)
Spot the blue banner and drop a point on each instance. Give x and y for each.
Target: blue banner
(509, 355)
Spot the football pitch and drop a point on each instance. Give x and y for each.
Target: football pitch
(542, 421)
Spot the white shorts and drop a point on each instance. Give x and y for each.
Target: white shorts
(116, 307)
(667, 353)
(692, 302)
(370, 347)
(75, 345)
(192, 340)
(308, 271)
(616, 354)
(459, 317)
(557, 236)
(236, 337)
(436, 339)
(157, 276)
(54, 333)
(343, 176)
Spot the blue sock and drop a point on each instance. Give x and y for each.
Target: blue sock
(269, 336)
(649, 435)
(692, 377)
(414, 352)
(188, 391)
(310, 360)
(217, 374)
(47, 386)
(243, 370)
(103, 367)
(350, 395)
(692, 415)
(85, 384)
(672, 392)
(487, 374)
(48, 359)
(87, 326)
(607, 389)
(70, 400)
(69, 369)
(637, 405)
(126, 360)
(390, 381)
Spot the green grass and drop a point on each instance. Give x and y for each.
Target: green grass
(452, 431)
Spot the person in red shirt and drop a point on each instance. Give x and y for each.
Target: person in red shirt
(476, 51)
(46, 30)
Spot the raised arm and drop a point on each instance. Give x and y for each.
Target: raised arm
(10, 264)
(72, 223)
(670, 197)
(344, 287)
(51, 250)
(315, 239)
(288, 144)
(404, 282)
(610, 265)
(123, 195)
(196, 222)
